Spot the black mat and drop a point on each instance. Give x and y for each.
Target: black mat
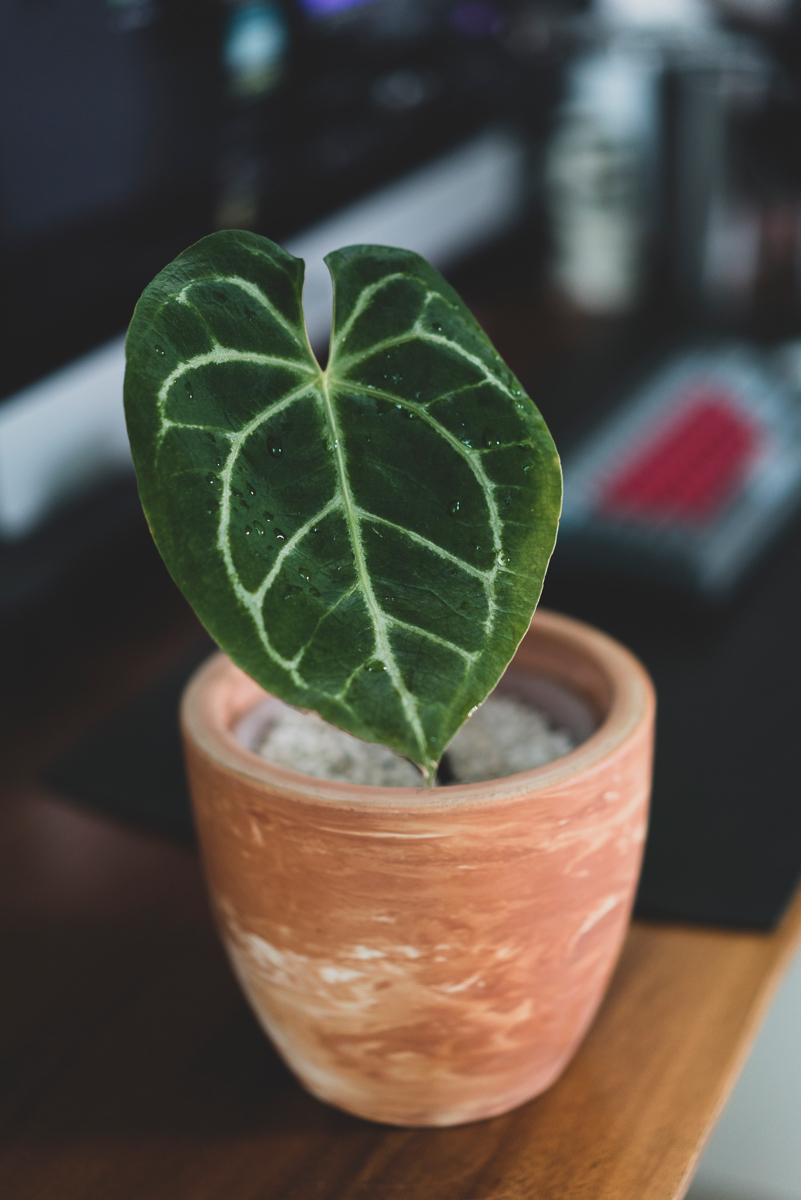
(130, 766)
(725, 839)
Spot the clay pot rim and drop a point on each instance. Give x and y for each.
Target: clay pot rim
(632, 703)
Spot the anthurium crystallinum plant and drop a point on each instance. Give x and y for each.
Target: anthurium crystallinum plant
(367, 541)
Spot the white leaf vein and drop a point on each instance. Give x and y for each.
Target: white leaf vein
(346, 595)
(476, 467)
(418, 333)
(419, 631)
(222, 354)
(255, 293)
(289, 546)
(440, 551)
(364, 298)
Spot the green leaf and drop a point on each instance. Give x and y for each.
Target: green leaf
(367, 541)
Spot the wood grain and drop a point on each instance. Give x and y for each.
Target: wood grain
(131, 1068)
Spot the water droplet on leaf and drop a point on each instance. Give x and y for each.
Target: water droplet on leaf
(275, 447)
(247, 531)
(259, 528)
(188, 389)
(211, 477)
(293, 591)
(281, 537)
(268, 516)
(251, 489)
(455, 506)
(160, 351)
(304, 574)
(218, 462)
(489, 439)
(375, 665)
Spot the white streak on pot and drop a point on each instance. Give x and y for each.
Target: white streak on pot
(597, 915)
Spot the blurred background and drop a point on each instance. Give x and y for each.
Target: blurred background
(615, 189)
(614, 186)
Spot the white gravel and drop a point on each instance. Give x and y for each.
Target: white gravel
(305, 742)
(502, 737)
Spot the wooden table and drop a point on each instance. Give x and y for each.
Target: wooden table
(131, 1066)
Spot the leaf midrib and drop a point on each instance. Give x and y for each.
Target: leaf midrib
(383, 646)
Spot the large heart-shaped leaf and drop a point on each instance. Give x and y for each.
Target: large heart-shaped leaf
(367, 541)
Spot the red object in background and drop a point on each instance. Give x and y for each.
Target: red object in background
(690, 468)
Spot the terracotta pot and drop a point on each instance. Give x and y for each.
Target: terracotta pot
(430, 957)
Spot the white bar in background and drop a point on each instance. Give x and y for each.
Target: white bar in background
(60, 437)
(66, 433)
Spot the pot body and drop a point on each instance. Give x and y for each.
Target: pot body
(429, 957)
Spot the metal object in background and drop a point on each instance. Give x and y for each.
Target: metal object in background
(600, 176)
(673, 170)
(715, 88)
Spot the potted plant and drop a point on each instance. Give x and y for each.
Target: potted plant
(369, 542)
